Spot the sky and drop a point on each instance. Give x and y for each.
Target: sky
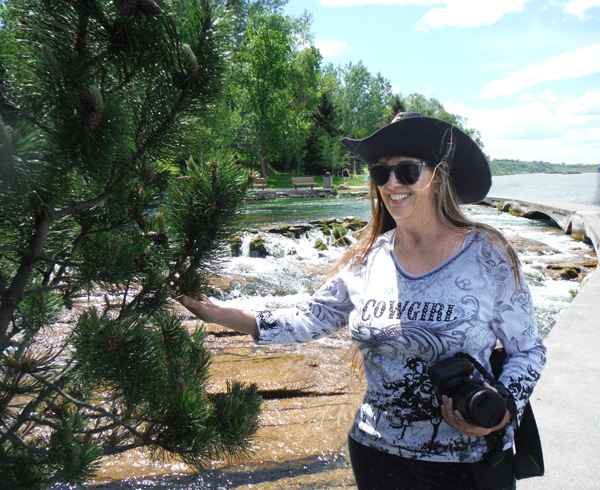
(525, 73)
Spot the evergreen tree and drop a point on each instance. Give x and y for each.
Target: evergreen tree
(396, 106)
(98, 99)
(323, 134)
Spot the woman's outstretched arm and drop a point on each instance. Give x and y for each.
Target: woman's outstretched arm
(240, 320)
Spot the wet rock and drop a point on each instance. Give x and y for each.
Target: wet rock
(258, 248)
(319, 245)
(523, 245)
(354, 224)
(561, 261)
(290, 231)
(235, 244)
(570, 273)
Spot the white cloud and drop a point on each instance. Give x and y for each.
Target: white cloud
(578, 8)
(588, 105)
(463, 13)
(429, 90)
(541, 127)
(545, 96)
(469, 13)
(330, 47)
(575, 64)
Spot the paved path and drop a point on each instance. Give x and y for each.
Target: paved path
(566, 401)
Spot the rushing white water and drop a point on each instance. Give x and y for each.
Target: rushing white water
(294, 268)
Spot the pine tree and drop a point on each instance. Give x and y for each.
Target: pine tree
(96, 103)
(323, 134)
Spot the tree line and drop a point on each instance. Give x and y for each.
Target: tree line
(283, 108)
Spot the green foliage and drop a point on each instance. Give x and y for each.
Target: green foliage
(99, 101)
(510, 167)
(362, 100)
(273, 86)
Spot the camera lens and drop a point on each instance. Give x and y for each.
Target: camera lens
(480, 406)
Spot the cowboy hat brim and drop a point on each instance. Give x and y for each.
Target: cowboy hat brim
(416, 135)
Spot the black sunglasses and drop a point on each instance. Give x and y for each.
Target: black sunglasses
(408, 172)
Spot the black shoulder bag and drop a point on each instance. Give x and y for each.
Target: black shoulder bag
(499, 470)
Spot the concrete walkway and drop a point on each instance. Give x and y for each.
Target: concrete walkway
(566, 401)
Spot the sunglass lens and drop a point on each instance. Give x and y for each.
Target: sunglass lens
(380, 174)
(408, 173)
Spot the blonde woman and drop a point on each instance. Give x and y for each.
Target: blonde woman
(423, 284)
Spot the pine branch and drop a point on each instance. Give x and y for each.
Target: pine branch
(33, 404)
(78, 206)
(19, 442)
(44, 289)
(29, 326)
(40, 420)
(60, 262)
(15, 111)
(9, 248)
(120, 449)
(122, 84)
(155, 137)
(80, 404)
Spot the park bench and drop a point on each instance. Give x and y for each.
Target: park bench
(303, 181)
(261, 183)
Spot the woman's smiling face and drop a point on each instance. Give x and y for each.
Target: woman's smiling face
(409, 203)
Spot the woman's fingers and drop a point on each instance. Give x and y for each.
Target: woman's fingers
(456, 419)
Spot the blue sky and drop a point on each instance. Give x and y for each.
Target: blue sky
(526, 73)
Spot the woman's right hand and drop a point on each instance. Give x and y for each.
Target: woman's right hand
(202, 307)
(240, 320)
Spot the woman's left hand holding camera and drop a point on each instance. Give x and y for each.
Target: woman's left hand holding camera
(455, 418)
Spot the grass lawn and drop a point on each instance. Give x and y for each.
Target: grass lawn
(285, 181)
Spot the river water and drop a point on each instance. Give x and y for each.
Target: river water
(300, 444)
(580, 188)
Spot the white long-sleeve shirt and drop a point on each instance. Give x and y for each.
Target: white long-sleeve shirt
(404, 323)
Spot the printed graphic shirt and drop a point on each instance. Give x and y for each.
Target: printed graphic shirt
(404, 323)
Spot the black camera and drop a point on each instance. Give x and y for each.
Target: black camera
(479, 405)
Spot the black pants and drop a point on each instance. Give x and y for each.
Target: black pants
(376, 470)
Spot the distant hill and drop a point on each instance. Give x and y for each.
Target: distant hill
(509, 167)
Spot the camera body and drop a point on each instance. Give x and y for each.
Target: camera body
(479, 405)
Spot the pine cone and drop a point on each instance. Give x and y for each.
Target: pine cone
(93, 120)
(222, 202)
(87, 101)
(128, 7)
(149, 7)
(114, 344)
(158, 238)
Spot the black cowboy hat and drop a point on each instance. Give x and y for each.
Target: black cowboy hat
(413, 134)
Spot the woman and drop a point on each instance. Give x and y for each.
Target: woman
(421, 285)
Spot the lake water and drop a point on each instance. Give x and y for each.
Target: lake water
(579, 188)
